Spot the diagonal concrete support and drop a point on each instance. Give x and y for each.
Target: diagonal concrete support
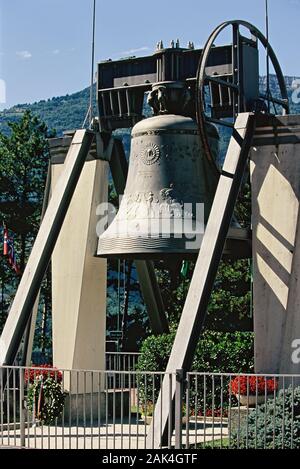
(79, 279)
(43, 246)
(194, 311)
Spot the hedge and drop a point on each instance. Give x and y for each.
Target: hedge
(217, 352)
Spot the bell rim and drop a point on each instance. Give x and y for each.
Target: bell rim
(238, 245)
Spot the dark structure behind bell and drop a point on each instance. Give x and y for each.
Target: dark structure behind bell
(170, 184)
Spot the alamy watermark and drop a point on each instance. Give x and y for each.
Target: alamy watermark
(146, 217)
(296, 352)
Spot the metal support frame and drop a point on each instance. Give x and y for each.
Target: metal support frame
(179, 393)
(194, 311)
(242, 101)
(145, 269)
(44, 244)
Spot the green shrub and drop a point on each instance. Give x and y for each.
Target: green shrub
(274, 425)
(217, 352)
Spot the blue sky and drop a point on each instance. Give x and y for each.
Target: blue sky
(45, 44)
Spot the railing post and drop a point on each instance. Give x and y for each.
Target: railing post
(180, 376)
(22, 409)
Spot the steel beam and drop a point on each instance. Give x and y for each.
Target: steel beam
(145, 269)
(194, 311)
(43, 246)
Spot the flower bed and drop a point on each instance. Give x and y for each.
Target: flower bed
(253, 385)
(45, 371)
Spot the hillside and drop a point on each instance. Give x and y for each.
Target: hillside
(68, 112)
(60, 113)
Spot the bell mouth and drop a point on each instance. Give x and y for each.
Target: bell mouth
(237, 246)
(146, 248)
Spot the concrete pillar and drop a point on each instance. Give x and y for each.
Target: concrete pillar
(78, 278)
(275, 169)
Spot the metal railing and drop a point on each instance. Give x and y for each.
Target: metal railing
(121, 361)
(114, 409)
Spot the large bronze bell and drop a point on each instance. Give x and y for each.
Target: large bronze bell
(168, 176)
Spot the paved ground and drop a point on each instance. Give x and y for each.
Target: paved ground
(110, 436)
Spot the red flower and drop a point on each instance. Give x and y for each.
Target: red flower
(253, 385)
(44, 371)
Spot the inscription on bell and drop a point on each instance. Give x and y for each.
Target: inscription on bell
(151, 154)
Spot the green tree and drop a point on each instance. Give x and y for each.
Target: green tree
(24, 159)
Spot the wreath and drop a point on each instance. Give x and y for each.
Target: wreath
(45, 396)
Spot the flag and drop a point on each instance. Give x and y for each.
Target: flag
(184, 269)
(12, 256)
(5, 239)
(9, 251)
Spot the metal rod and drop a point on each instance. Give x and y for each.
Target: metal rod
(283, 102)
(213, 410)
(106, 409)
(84, 409)
(99, 409)
(268, 55)
(219, 81)
(114, 411)
(178, 408)
(93, 61)
(48, 426)
(77, 402)
(122, 409)
(187, 413)
(137, 411)
(70, 408)
(91, 407)
(283, 413)
(63, 414)
(1, 404)
(129, 405)
(14, 405)
(221, 410)
(293, 414)
(7, 406)
(204, 409)
(145, 411)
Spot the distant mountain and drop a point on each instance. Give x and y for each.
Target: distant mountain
(68, 112)
(60, 113)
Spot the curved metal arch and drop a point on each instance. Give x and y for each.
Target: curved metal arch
(202, 77)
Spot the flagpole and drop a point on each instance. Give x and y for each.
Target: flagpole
(267, 58)
(2, 293)
(93, 61)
